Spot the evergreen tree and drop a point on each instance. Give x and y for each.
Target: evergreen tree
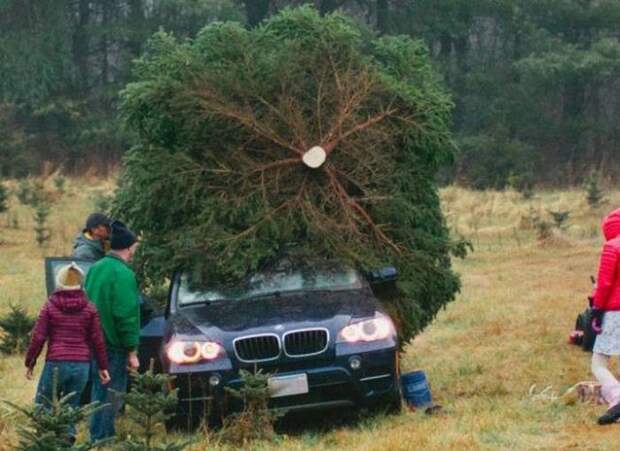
(150, 404)
(4, 198)
(47, 428)
(255, 421)
(594, 193)
(305, 130)
(560, 218)
(16, 326)
(41, 229)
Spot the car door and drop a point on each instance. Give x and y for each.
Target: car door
(152, 322)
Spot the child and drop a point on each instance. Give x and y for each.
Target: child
(70, 325)
(606, 314)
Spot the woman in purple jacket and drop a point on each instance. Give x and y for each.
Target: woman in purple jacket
(70, 325)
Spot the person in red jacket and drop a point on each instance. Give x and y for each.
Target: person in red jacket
(606, 317)
(70, 325)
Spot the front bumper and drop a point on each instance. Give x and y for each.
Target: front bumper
(331, 383)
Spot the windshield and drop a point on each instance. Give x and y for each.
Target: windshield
(270, 283)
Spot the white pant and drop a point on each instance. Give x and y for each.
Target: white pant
(610, 388)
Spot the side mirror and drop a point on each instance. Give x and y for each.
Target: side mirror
(382, 275)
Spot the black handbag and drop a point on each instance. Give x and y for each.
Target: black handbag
(584, 324)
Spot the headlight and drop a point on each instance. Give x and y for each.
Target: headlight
(182, 351)
(368, 330)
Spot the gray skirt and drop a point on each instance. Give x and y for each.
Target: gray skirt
(608, 341)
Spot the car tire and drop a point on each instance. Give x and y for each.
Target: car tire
(395, 406)
(389, 405)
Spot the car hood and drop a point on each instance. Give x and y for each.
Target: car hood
(286, 311)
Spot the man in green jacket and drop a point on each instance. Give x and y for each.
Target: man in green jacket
(111, 285)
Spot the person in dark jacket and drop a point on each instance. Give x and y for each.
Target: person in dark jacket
(112, 287)
(92, 242)
(70, 325)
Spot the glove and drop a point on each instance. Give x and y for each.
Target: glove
(597, 320)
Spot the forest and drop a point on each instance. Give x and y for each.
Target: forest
(535, 83)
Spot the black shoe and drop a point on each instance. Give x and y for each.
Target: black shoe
(611, 416)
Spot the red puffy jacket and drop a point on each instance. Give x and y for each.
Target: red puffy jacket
(607, 292)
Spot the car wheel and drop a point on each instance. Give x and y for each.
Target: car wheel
(395, 406)
(389, 405)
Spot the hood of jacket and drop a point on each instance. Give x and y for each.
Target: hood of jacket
(83, 240)
(611, 225)
(69, 301)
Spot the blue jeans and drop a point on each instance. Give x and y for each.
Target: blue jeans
(102, 421)
(72, 378)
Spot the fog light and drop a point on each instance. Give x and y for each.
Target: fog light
(214, 380)
(355, 363)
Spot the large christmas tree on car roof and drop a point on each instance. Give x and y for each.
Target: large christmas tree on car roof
(306, 130)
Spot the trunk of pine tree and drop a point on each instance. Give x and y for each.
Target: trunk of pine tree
(136, 25)
(81, 44)
(328, 6)
(256, 11)
(445, 45)
(383, 15)
(574, 103)
(105, 23)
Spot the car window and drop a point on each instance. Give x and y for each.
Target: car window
(271, 282)
(53, 265)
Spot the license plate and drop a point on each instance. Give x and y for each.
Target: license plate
(296, 384)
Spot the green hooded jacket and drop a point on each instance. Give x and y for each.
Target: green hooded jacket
(111, 285)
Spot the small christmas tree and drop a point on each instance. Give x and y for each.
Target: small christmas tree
(255, 422)
(4, 198)
(594, 193)
(16, 326)
(150, 404)
(24, 191)
(102, 202)
(41, 230)
(59, 184)
(560, 218)
(48, 427)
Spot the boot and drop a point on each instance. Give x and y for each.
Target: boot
(611, 416)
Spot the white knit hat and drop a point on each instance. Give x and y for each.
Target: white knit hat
(69, 277)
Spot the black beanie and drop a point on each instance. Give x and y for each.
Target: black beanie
(97, 219)
(122, 237)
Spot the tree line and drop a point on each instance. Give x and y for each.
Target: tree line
(535, 82)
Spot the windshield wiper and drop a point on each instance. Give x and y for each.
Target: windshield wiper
(273, 294)
(206, 302)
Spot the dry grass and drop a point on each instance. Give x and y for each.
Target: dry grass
(506, 332)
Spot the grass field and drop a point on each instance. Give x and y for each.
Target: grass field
(505, 332)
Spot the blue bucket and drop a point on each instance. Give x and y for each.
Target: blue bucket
(416, 390)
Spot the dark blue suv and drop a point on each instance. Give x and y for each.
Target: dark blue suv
(318, 330)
